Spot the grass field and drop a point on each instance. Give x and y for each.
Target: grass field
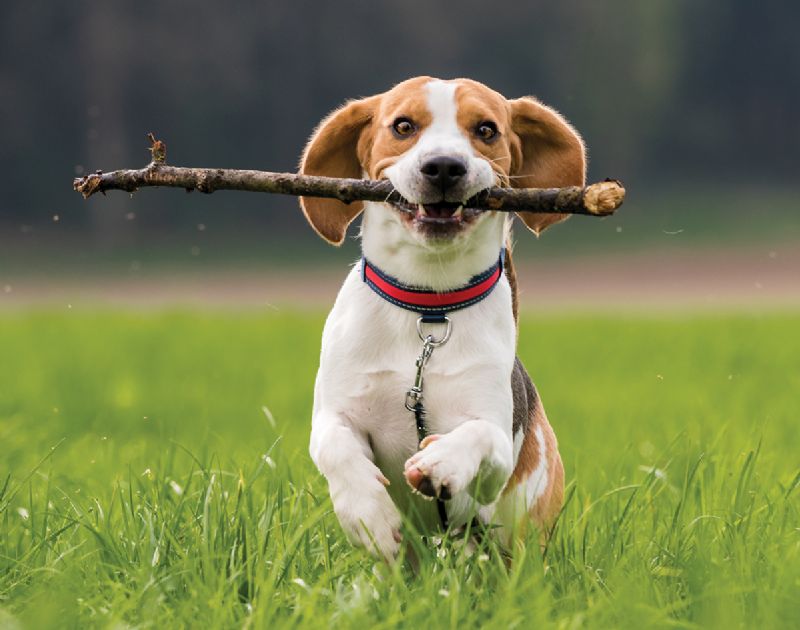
(155, 474)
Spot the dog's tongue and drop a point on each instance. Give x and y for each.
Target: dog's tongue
(440, 211)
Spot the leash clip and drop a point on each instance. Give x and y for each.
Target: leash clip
(429, 344)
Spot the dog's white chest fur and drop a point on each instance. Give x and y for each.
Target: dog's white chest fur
(367, 365)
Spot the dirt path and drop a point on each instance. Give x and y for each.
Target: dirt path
(663, 281)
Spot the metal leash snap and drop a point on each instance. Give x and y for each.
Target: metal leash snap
(429, 342)
(414, 395)
(430, 339)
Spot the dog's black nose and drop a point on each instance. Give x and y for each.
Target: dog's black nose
(444, 172)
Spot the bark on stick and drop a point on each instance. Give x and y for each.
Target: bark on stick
(600, 199)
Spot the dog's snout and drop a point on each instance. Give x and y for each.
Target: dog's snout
(444, 172)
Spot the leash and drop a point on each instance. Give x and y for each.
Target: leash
(414, 395)
(432, 308)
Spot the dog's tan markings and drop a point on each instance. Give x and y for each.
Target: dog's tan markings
(536, 147)
(354, 139)
(511, 275)
(405, 100)
(477, 104)
(546, 509)
(546, 152)
(333, 151)
(525, 400)
(530, 418)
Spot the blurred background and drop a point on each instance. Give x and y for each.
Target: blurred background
(148, 340)
(693, 105)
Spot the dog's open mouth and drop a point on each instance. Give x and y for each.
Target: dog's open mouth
(441, 212)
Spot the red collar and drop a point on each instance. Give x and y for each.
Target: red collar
(432, 305)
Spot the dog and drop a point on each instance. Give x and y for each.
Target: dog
(419, 394)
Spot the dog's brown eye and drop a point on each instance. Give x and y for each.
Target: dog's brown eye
(403, 127)
(486, 131)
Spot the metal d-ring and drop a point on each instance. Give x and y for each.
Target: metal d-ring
(430, 339)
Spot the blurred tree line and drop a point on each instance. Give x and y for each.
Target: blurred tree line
(664, 91)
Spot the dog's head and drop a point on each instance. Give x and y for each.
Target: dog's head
(440, 143)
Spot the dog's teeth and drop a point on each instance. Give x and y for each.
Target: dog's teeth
(458, 211)
(421, 208)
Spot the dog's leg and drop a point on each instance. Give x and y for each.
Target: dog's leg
(365, 511)
(476, 456)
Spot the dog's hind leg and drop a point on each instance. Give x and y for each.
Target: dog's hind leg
(535, 491)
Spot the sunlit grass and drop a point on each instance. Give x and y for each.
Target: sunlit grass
(154, 474)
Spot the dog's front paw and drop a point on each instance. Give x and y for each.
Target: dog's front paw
(442, 467)
(369, 518)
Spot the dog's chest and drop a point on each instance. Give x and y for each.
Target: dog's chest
(377, 406)
(379, 411)
(368, 364)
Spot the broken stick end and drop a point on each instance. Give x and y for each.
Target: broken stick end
(604, 198)
(87, 185)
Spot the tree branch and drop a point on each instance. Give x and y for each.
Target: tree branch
(600, 199)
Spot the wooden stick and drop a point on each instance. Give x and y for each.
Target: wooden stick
(600, 199)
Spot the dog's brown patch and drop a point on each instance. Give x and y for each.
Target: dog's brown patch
(511, 275)
(333, 152)
(546, 509)
(546, 152)
(528, 415)
(357, 138)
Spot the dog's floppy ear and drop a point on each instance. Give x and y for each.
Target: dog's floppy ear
(333, 151)
(546, 153)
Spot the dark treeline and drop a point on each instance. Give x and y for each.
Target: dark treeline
(663, 91)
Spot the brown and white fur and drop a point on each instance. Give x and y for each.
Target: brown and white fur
(490, 446)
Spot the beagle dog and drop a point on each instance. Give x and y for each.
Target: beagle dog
(419, 393)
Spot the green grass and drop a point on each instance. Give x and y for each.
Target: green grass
(142, 484)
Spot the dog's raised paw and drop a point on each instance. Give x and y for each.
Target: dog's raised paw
(424, 485)
(440, 469)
